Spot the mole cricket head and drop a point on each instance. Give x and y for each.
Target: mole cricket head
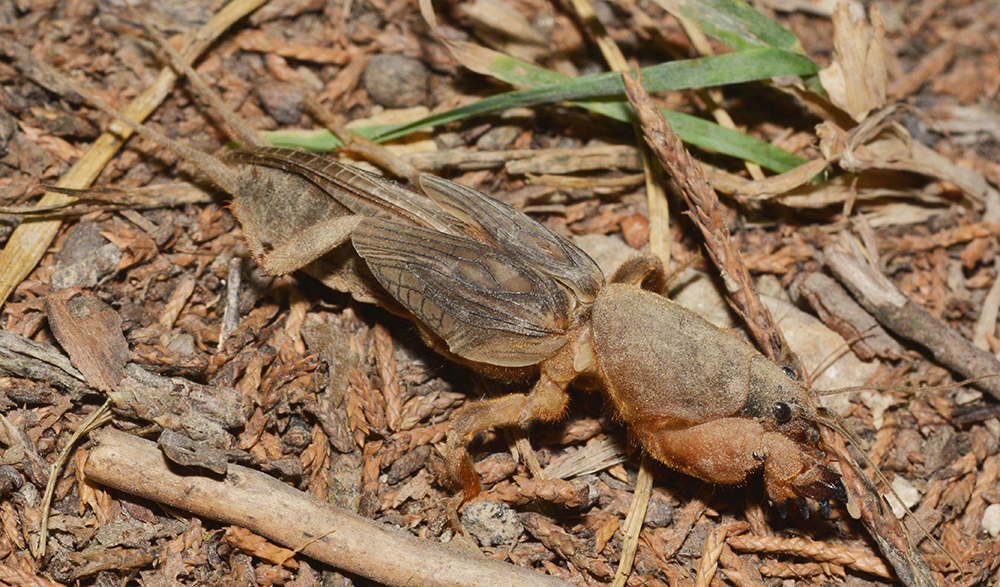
(781, 403)
(785, 406)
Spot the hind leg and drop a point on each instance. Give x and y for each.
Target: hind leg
(546, 401)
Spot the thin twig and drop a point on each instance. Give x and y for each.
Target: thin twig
(901, 315)
(291, 518)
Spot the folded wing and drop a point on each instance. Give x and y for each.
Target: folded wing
(487, 304)
(513, 230)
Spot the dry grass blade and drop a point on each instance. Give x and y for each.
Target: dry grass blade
(656, 197)
(99, 418)
(659, 244)
(633, 521)
(893, 540)
(31, 239)
(705, 208)
(596, 456)
(817, 551)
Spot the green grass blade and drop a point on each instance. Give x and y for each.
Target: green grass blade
(711, 136)
(731, 68)
(602, 93)
(692, 130)
(735, 24)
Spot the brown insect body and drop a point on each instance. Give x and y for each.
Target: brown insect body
(709, 404)
(511, 293)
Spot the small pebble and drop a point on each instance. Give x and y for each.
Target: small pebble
(395, 81)
(491, 523)
(991, 520)
(658, 514)
(499, 138)
(283, 101)
(81, 240)
(182, 344)
(408, 464)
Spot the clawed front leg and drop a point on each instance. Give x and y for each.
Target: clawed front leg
(546, 401)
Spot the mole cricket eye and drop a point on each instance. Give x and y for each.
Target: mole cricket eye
(782, 412)
(789, 372)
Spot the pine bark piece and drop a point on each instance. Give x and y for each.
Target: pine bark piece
(188, 453)
(38, 361)
(200, 412)
(90, 332)
(294, 519)
(890, 306)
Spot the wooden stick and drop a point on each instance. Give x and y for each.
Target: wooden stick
(898, 313)
(296, 520)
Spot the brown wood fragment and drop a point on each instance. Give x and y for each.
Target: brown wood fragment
(929, 68)
(297, 520)
(260, 547)
(898, 313)
(202, 412)
(188, 453)
(111, 559)
(38, 361)
(842, 314)
(90, 332)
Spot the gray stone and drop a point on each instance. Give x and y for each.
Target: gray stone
(395, 81)
(491, 523)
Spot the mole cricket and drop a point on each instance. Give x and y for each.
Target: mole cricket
(493, 289)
